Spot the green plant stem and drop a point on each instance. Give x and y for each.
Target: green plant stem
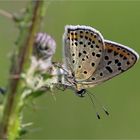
(19, 65)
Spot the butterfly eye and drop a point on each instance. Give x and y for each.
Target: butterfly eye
(81, 92)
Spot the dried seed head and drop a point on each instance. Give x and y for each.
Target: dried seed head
(44, 46)
(43, 50)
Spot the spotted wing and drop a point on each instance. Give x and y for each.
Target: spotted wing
(83, 49)
(116, 59)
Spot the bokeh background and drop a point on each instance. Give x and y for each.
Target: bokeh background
(71, 117)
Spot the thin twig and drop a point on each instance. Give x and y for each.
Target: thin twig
(6, 14)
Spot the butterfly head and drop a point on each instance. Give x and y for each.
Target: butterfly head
(81, 92)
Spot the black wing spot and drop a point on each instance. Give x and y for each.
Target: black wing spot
(93, 78)
(89, 39)
(99, 41)
(80, 54)
(121, 55)
(81, 42)
(73, 61)
(98, 55)
(73, 54)
(95, 35)
(91, 46)
(89, 43)
(116, 61)
(93, 53)
(72, 33)
(86, 37)
(109, 62)
(76, 43)
(128, 63)
(91, 34)
(84, 45)
(109, 50)
(83, 59)
(106, 57)
(97, 46)
(109, 69)
(116, 53)
(93, 64)
(84, 52)
(85, 72)
(124, 58)
(119, 68)
(101, 74)
(119, 64)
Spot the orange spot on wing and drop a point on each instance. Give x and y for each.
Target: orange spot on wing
(73, 36)
(121, 51)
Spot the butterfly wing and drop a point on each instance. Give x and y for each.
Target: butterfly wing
(83, 49)
(116, 59)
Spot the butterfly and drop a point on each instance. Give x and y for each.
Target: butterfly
(90, 60)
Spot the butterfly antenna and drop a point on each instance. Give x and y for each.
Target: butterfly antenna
(97, 100)
(94, 106)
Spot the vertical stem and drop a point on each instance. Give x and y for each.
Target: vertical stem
(20, 64)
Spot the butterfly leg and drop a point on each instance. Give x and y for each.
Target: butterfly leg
(61, 87)
(56, 64)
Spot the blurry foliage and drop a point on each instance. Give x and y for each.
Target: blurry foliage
(118, 21)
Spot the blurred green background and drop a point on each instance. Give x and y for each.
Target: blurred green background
(71, 117)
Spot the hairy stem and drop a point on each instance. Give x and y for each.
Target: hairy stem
(19, 65)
